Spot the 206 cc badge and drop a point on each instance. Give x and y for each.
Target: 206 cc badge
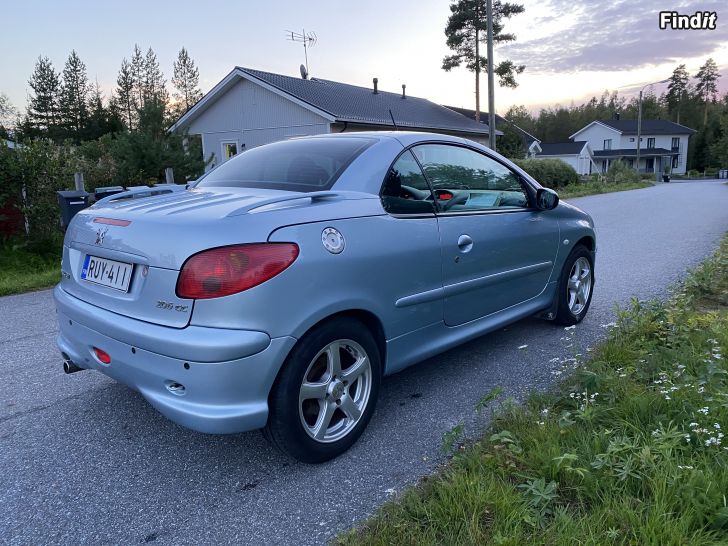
(333, 240)
(100, 234)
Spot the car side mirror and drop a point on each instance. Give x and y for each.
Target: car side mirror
(546, 199)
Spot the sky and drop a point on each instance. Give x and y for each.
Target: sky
(572, 49)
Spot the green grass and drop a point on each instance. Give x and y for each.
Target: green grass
(582, 189)
(627, 450)
(29, 266)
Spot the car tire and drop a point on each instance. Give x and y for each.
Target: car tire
(316, 413)
(576, 286)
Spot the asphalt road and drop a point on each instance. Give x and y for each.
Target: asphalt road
(84, 460)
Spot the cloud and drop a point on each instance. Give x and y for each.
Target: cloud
(617, 35)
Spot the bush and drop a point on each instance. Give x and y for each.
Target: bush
(711, 172)
(621, 173)
(551, 173)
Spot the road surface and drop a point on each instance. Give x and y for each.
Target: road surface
(85, 460)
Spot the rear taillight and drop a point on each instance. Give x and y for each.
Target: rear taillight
(230, 269)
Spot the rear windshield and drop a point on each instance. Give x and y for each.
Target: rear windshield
(295, 165)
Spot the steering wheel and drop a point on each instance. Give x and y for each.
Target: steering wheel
(458, 199)
(414, 192)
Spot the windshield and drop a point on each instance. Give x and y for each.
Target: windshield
(303, 165)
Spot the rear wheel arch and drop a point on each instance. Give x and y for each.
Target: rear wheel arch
(367, 318)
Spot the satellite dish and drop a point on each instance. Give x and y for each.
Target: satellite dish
(304, 72)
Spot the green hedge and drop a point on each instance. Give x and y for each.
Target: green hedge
(552, 173)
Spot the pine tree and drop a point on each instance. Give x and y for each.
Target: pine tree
(466, 30)
(42, 113)
(98, 116)
(186, 80)
(677, 89)
(155, 86)
(707, 86)
(74, 95)
(126, 97)
(137, 73)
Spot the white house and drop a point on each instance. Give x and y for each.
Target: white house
(249, 108)
(662, 143)
(577, 154)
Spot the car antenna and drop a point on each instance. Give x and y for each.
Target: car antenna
(393, 122)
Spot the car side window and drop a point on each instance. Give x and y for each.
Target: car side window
(466, 180)
(405, 189)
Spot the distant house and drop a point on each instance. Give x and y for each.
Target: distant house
(531, 144)
(577, 154)
(662, 143)
(249, 108)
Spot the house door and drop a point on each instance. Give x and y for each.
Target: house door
(650, 164)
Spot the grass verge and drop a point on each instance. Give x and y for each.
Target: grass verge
(29, 266)
(594, 187)
(629, 449)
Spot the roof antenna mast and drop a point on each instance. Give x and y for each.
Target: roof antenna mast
(391, 115)
(308, 39)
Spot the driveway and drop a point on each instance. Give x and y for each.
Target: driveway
(86, 460)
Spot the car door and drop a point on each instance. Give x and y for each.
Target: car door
(497, 251)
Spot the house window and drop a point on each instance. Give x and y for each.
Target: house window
(650, 165)
(229, 149)
(650, 142)
(608, 144)
(631, 139)
(630, 162)
(675, 143)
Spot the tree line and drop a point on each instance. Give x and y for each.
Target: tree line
(690, 100)
(123, 138)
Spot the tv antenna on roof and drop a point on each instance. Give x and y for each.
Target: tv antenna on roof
(308, 39)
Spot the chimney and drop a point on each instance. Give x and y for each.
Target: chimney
(376, 81)
(403, 91)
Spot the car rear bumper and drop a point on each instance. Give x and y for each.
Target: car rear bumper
(227, 377)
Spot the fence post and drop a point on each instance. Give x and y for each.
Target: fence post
(78, 180)
(169, 175)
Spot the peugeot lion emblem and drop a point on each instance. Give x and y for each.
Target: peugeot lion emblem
(100, 234)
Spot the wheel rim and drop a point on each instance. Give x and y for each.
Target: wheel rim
(579, 286)
(335, 391)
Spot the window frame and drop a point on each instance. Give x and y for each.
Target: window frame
(607, 144)
(528, 187)
(223, 144)
(651, 141)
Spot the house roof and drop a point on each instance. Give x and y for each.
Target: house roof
(562, 148)
(649, 127)
(632, 152)
(500, 121)
(342, 102)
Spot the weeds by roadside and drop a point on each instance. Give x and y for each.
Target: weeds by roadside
(593, 187)
(630, 449)
(29, 266)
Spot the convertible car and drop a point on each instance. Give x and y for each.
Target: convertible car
(277, 291)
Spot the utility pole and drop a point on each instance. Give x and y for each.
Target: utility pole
(477, 62)
(639, 121)
(491, 88)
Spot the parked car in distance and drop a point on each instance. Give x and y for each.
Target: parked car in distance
(278, 290)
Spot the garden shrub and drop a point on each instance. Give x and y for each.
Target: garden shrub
(551, 173)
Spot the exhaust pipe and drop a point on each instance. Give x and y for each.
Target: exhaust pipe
(70, 367)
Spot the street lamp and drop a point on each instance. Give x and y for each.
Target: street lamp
(639, 120)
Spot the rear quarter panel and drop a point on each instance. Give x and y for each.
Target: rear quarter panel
(385, 259)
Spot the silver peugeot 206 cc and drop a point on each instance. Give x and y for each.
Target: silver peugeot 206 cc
(278, 290)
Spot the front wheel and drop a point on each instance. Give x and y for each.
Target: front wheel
(326, 392)
(575, 287)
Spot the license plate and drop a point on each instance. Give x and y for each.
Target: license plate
(111, 273)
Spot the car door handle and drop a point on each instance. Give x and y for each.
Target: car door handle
(465, 243)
